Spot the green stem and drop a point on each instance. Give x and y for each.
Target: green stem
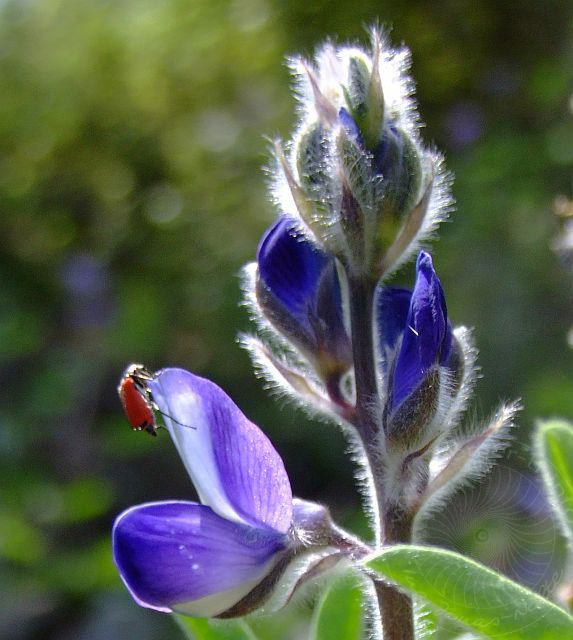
(361, 317)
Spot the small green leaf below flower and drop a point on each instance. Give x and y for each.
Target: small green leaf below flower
(338, 614)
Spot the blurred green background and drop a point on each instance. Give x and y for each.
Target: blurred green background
(132, 142)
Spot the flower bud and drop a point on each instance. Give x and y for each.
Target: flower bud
(364, 186)
(316, 181)
(356, 92)
(365, 96)
(397, 160)
(422, 360)
(299, 293)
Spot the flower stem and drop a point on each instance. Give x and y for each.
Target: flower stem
(393, 524)
(395, 607)
(368, 405)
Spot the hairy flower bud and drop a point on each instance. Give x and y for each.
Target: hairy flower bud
(357, 90)
(397, 160)
(421, 357)
(299, 293)
(358, 175)
(365, 95)
(316, 181)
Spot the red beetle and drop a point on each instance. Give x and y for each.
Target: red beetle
(136, 398)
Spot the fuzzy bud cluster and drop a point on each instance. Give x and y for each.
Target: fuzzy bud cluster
(357, 176)
(357, 194)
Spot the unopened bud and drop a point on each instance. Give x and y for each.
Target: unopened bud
(363, 180)
(299, 293)
(427, 367)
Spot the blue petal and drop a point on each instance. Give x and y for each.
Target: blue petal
(290, 267)
(388, 154)
(303, 281)
(182, 556)
(233, 465)
(427, 336)
(392, 308)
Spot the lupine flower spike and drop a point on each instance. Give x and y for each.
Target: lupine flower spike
(357, 195)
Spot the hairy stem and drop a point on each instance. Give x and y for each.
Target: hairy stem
(393, 524)
(361, 317)
(395, 607)
(368, 412)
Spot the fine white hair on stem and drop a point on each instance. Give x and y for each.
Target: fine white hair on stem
(364, 475)
(371, 611)
(423, 621)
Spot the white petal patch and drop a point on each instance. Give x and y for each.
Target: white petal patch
(182, 412)
(218, 603)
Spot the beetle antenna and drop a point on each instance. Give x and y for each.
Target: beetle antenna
(166, 415)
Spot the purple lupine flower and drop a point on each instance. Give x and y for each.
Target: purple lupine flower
(299, 291)
(416, 340)
(204, 559)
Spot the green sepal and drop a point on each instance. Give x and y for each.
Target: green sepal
(356, 93)
(365, 100)
(316, 182)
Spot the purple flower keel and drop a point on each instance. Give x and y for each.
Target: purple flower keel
(181, 556)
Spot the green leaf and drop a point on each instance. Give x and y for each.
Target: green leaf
(204, 629)
(339, 612)
(425, 621)
(480, 598)
(554, 449)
